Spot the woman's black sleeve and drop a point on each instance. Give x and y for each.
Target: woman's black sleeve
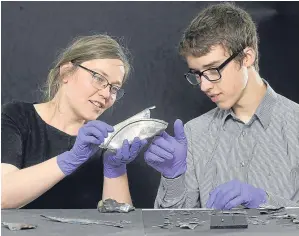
(11, 141)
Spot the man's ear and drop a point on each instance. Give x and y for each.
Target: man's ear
(63, 70)
(249, 58)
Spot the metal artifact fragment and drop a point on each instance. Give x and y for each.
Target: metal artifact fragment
(110, 205)
(139, 125)
(84, 221)
(18, 226)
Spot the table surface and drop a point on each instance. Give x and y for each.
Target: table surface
(47, 227)
(143, 222)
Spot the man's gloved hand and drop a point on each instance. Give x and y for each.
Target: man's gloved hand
(90, 136)
(168, 154)
(235, 193)
(115, 164)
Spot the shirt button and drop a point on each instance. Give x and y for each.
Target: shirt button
(242, 164)
(243, 133)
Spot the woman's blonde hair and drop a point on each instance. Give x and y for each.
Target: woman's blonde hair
(85, 48)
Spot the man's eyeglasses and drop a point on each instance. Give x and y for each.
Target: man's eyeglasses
(100, 82)
(211, 74)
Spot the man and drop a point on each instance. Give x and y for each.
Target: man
(245, 151)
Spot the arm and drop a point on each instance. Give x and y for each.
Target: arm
(20, 187)
(277, 201)
(274, 199)
(183, 191)
(115, 171)
(117, 189)
(235, 193)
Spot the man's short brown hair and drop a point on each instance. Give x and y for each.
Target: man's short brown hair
(221, 24)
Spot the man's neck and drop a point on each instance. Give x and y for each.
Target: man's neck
(251, 98)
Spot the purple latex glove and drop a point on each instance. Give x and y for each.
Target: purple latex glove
(90, 136)
(115, 164)
(235, 193)
(168, 154)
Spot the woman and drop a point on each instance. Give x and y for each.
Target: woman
(44, 145)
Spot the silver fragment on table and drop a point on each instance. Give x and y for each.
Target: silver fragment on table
(84, 221)
(188, 225)
(234, 212)
(111, 205)
(18, 226)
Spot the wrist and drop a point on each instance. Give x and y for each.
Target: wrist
(67, 163)
(172, 176)
(175, 173)
(114, 171)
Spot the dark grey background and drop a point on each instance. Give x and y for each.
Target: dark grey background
(34, 32)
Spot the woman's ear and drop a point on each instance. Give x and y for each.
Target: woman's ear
(63, 70)
(249, 58)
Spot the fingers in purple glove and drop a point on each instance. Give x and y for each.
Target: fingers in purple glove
(135, 149)
(115, 159)
(124, 151)
(143, 142)
(160, 152)
(218, 193)
(166, 136)
(93, 132)
(93, 140)
(100, 125)
(234, 203)
(152, 158)
(164, 143)
(226, 195)
(212, 197)
(179, 131)
(127, 153)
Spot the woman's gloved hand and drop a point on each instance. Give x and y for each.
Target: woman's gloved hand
(90, 136)
(115, 164)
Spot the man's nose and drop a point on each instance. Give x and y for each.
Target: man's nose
(205, 84)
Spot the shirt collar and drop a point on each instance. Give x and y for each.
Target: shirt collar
(226, 115)
(264, 110)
